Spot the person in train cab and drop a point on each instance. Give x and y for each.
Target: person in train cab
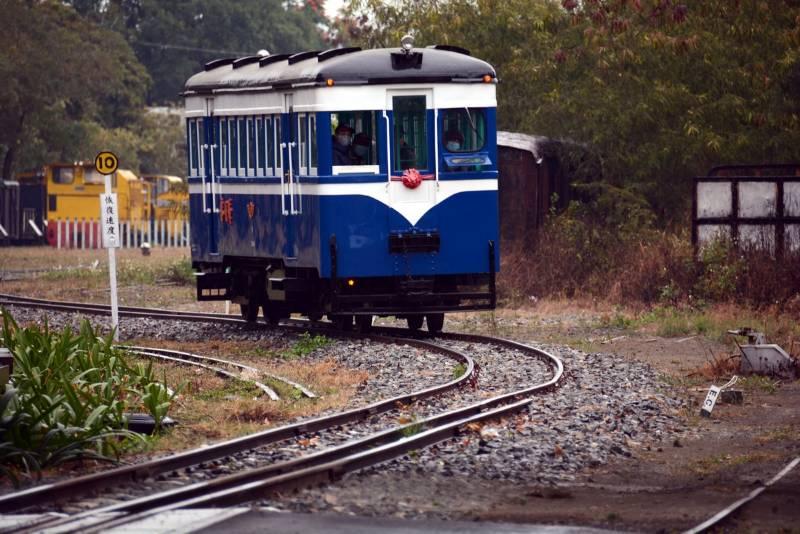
(342, 137)
(408, 157)
(361, 145)
(453, 140)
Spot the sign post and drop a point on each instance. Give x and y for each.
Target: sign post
(106, 163)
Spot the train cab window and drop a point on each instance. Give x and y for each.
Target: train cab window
(355, 142)
(63, 175)
(410, 149)
(463, 130)
(91, 176)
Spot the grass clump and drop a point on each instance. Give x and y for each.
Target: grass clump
(306, 345)
(68, 396)
(459, 370)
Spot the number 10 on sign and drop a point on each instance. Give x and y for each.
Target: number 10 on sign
(109, 218)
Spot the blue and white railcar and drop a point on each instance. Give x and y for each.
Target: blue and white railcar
(348, 182)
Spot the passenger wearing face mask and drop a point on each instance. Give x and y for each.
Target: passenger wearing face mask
(453, 140)
(341, 145)
(361, 145)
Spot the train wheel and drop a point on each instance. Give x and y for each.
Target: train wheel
(343, 322)
(415, 321)
(435, 322)
(249, 312)
(364, 323)
(271, 314)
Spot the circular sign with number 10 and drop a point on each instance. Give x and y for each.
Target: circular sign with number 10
(106, 163)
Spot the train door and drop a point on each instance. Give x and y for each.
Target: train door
(290, 200)
(413, 150)
(208, 134)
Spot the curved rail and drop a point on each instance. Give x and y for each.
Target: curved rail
(161, 354)
(242, 367)
(323, 466)
(52, 492)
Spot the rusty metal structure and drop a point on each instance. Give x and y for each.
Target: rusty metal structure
(532, 176)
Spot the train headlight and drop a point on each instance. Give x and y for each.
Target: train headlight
(351, 282)
(407, 43)
(329, 82)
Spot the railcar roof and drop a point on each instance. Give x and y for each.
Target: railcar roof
(344, 66)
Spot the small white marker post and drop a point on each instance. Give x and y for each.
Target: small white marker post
(106, 163)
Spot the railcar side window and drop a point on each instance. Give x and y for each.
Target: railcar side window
(259, 144)
(242, 147)
(463, 130)
(201, 139)
(223, 146)
(312, 141)
(192, 147)
(63, 175)
(361, 129)
(410, 133)
(278, 141)
(269, 146)
(251, 147)
(302, 143)
(233, 141)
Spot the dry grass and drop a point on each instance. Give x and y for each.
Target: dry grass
(211, 408)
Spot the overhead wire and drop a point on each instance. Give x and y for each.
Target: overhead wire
(168, 46)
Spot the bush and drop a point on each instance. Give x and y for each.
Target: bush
(68, 396)
(583, 253)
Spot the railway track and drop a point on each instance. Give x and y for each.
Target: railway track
(343, 456)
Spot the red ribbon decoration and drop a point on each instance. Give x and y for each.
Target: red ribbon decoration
(412, 178)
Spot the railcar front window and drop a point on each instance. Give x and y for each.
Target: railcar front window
(410, 133)
(463, 130)
(223, 146)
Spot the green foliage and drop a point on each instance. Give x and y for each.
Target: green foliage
(174, 39)
(180, 272)
(720, 271)
(660, 90)
(68, 395)
(66, 80)
(459, 370)
(306, 344)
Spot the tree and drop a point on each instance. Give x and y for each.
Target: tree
(661, 90)
(174, 39)
(61, 73)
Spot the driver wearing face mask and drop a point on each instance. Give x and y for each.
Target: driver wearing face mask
(341, 145)
(453, 140)
(361, 146)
